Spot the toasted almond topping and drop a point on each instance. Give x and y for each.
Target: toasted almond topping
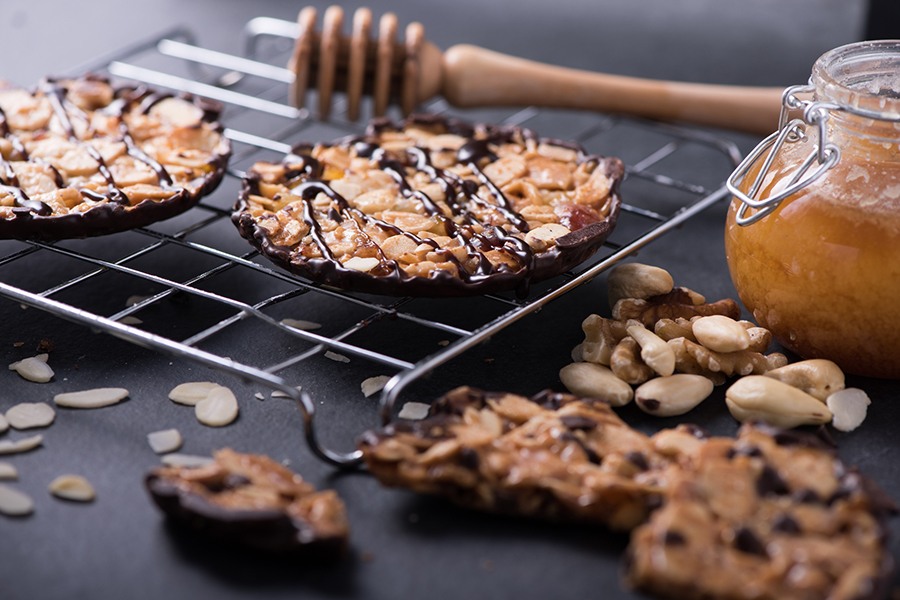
(192, 392)
(95, 398)
(28, 415)
(15, 503)
(165, 441)
(218, 409)
(72, 487)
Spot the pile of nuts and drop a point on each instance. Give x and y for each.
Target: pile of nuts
(666, 347)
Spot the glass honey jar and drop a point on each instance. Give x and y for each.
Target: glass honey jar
(812, 237)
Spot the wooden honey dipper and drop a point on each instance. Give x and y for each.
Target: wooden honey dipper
(415, 70)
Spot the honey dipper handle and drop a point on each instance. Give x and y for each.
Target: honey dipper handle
(474, 76)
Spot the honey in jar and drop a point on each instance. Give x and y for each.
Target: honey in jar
(813, 237)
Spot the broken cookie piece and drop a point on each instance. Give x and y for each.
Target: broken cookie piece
(769, 515)
(431, 207)
(253, 501)
(553, 455)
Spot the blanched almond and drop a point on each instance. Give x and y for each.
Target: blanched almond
(95, 398)
(28, 415)
(590, 380)
(757, 397)
(192, 392)
(186, 460)
(373, 385)
(20, 445)
(849, 407)
(218, 409)
(8, 471)
(33, 369)
(673, 395)
(15, 503)
(165, 441)
(414, 411)
(72, 487)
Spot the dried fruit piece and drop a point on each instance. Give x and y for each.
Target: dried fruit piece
(373, 385)
(595, 381)
(95, 398)
(33, 369)
(14, 502)
(72, 487)
(192, 392)
(673, 395)
(8, 471)
(414, 411)
(165, 441)
(218, 409)
(28, 415)
(849, 407)
(20, 445)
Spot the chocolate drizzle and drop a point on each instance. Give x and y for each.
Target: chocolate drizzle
(474, 212)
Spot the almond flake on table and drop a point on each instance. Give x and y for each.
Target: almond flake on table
(20, 445)
(28, 415)
(8, 471)
(130, 320)
(192, 392)
(218, 409)
(373, 385)
(15, 503)
(189, 461)
(94, 398)
(72, 487)
(301, 324)
(3, 424)
(165, 441)
(281, 394)
(34, 368)
(336, 357)
(414, 411)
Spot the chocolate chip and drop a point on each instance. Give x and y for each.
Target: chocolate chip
(638, 459)
(593, 457)
(468, 458)
(674, 538)
(786, 524)
(770, 482)
(578, 423)
(748, 542)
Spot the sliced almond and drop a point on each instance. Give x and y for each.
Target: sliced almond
(414, 411)
(281, 394)
(849, 407)
(301, 324)
(218, 409)
(28, 415)
(259, 396)
(3, 424)
(192, 392)
(95, 398)
(165, 441)
(336, 357)
(33, 369)
(8, 471)
(373, 385)
(72, 487)
(15, 503)
(20, 445)
(130, 320)
(190, 461)
(357, 263)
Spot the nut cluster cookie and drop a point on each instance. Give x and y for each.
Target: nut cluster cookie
(81, 157)
(554, 456)
(767, 516)
(433, 207)
(253, 501)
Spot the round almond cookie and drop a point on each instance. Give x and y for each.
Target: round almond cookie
(431, 207)
(81, 157)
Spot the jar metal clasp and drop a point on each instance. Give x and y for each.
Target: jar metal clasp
(825, 156)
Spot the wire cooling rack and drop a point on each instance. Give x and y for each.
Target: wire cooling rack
(200, 255)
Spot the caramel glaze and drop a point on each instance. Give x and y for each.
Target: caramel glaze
(459, 194)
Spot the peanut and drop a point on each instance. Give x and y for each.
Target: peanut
(817, 377)
(655, 352)
(673, 395)
(757, 397)
(636, 280)
(720, 333)
(595, 381)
